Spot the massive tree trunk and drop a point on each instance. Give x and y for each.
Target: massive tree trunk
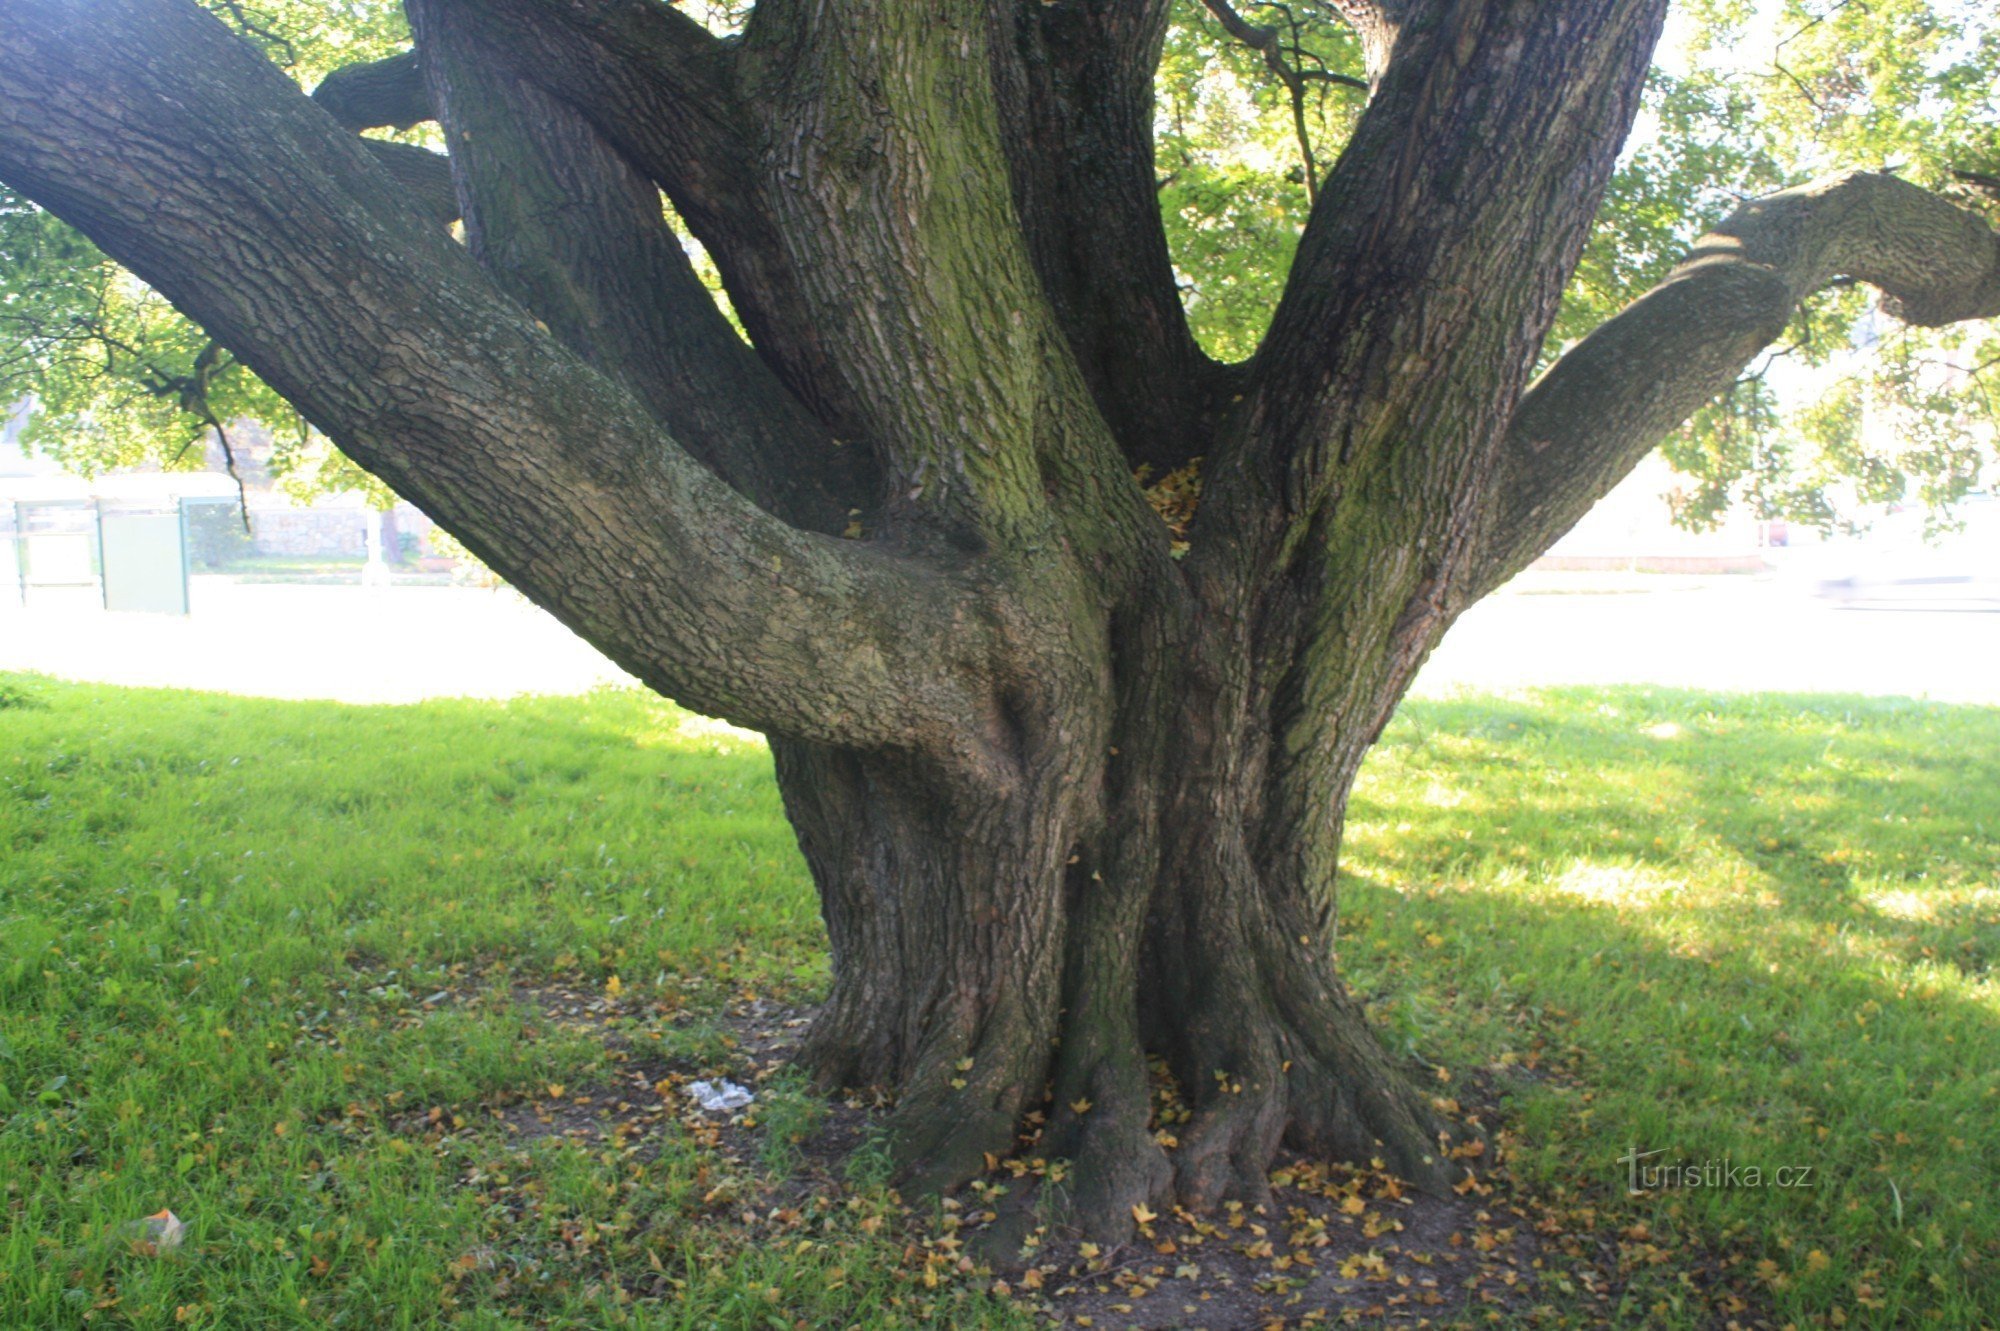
(1072, 800)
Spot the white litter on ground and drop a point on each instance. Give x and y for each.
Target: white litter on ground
(157, 1235)
(719, 1096)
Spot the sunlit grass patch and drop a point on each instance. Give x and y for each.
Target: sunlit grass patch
(1615, 884)
(1761, 929)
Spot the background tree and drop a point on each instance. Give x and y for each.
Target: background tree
(1070, 778)
(118, 376)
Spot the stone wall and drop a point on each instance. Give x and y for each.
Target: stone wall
(329, 533)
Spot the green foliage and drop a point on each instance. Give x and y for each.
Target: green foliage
(1234, 195)
(119, 377)
(310, 39)
(1730, 444)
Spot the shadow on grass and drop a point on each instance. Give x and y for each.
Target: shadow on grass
(1751, 928)
(1835, 805)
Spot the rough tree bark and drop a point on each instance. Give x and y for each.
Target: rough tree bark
(1072, 804)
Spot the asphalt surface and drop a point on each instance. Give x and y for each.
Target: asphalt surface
(401, 644)
(1733, 634)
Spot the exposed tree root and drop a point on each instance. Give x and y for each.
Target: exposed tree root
(1325, 1089)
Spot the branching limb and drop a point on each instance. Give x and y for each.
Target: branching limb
(424, 175)
(229, 466)
(250, 26)
(289, 247)
(574, 232)
(1075, 86)
(381, 94)
(1605, 404)
(1270, 43)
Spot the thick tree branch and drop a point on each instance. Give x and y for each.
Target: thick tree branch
(287, 245)
(1379, 24)
(390, 94)
(658, 83)
(381, 94)
(574, 232)
(1984, 181)
(885, 174)
(1610, 399)
(1428, 274)
(1075, 87)
(665, 94)
(424, 175)
(742, 137)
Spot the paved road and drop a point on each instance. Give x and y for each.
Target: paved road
(401, 644)
(345, 643)
(1731, 634)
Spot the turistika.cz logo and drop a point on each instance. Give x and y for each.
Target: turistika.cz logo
(1645, 1172)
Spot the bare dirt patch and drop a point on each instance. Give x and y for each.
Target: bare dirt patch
(1334, 1246)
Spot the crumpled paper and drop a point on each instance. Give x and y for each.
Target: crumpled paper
(155, 1236)
(719, 1096)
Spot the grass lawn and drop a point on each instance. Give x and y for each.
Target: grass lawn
(394, 1007)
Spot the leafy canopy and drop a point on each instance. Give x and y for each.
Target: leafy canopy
(1747, 97)
(119, 377)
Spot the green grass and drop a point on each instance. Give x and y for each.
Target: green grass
(243, 942)
(220, 919)
(1755, 928)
